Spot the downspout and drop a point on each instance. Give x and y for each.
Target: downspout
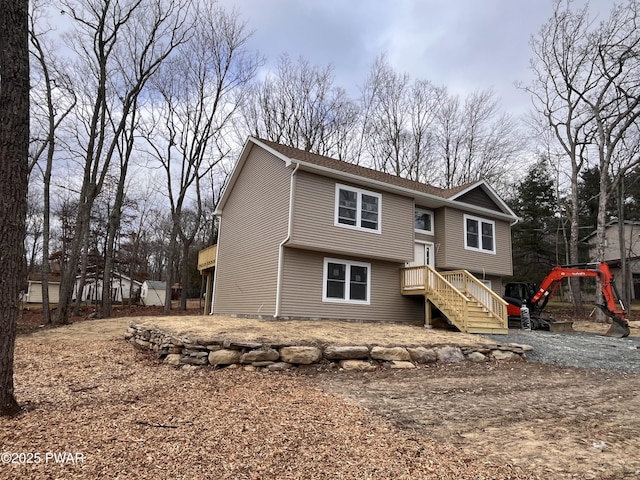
(284, 242)
(215, 270)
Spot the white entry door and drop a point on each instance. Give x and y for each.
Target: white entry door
(422, 254)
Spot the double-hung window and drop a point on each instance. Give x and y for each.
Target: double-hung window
(346, 281)
(423, 221)
(356, 208)
(479, 234)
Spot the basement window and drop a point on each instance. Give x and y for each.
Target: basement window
(346, 281)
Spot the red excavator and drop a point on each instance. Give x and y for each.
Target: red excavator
(536, 299)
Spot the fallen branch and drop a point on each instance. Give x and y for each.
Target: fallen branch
(84, 389)
(156, 425)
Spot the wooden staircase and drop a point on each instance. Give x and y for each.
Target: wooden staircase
(466, 302)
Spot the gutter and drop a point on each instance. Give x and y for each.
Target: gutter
(398, 190)
(388, 187)
(284, 242)
(215, 271)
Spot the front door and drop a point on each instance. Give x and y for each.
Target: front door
(422, 254)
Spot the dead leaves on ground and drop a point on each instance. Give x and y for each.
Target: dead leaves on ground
(130, 417)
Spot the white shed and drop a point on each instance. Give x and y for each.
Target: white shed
(34, 292)
(121, 288)
(153, 293)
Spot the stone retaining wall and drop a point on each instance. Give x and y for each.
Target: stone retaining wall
(174, 350)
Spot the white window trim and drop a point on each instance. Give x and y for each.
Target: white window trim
(348, 264)
(480, 222)
(417, 230)
(359, 191)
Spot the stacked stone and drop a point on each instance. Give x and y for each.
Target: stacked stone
(218, 352)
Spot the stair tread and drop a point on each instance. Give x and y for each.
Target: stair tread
(478, 319)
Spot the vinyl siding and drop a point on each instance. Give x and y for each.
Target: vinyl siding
(612, 236)
(302, 291)
(425, 237)
(452, 255)
(314, 218)
(34, 292)
(479, 197)
(253, 223)
(440, 237)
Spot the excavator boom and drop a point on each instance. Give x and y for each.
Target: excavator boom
(612, 307)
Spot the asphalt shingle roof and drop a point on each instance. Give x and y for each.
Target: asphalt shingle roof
(368, 173)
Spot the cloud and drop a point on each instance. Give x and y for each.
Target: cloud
(466, 45)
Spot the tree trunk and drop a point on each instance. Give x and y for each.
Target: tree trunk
(622, 239)
(83, 267)
(14, 143)
(574, 237)
(173, 250)
(114, 226)
(46, 222)
(184, 282)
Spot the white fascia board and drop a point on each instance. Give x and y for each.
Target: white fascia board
(251, 141)
(432, 200)
(491, 192)
(281, 156)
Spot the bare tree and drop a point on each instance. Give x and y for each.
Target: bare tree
(425, 101)
(199, 92)
(397, 122)
(34, 227)
(387, 133)
(119, 48)
(299, 105)
(586, 88)
(613, 100)
(631, 148)
(14, 145)
(54, 101)
(416, 130)
(475, 139)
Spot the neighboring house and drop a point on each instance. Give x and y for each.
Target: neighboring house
(122, 288)
(306, 236)
(612, 254)
(153, 293)
(34, 290)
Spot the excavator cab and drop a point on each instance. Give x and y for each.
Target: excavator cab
(516, 294)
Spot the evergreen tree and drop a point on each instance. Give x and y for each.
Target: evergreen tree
(537, 245)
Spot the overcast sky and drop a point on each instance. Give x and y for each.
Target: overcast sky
(465, 45)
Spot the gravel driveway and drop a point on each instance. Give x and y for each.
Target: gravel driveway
(578, 349)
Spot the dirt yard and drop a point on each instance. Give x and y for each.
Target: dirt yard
(86, 390)
(559, 423)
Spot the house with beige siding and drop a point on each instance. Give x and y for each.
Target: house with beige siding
(621, 243)
(309, 237)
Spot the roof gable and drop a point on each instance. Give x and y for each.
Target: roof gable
(481, 194)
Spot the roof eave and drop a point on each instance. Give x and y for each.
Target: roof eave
(432, 200)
